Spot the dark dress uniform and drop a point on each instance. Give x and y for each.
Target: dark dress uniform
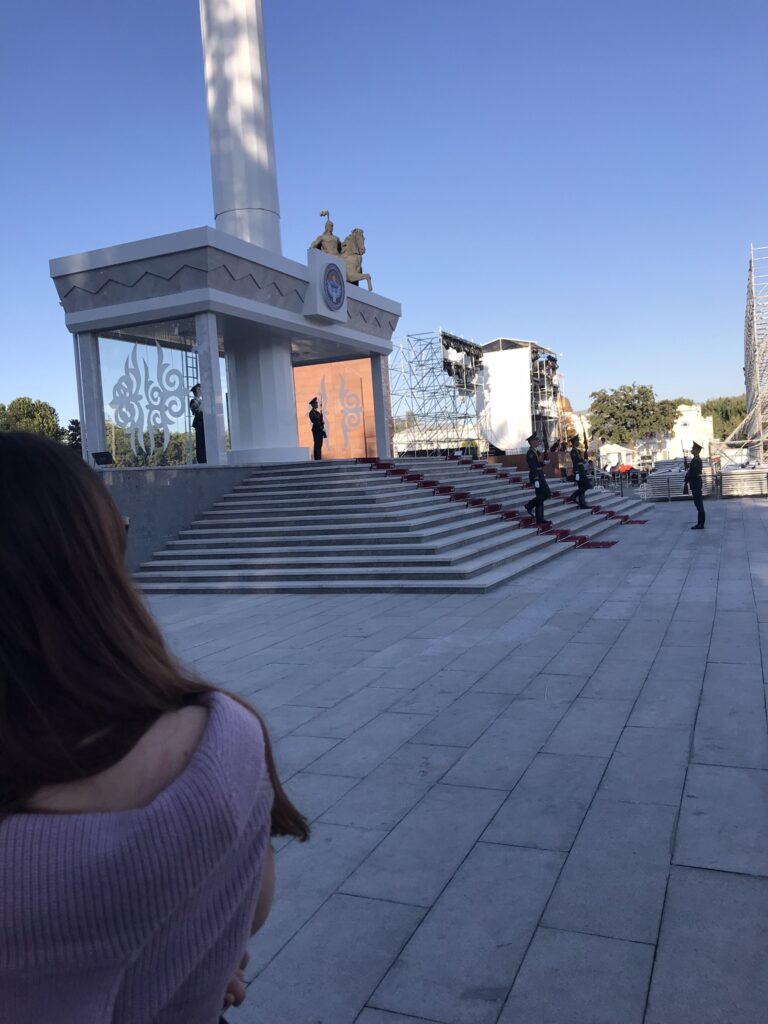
(694, 481)
(196, 407)
(318, 432)
(580, 476)
(541, 491)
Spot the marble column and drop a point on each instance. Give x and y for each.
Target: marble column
(262, 401)
(210, 385)
(90, 396)
(380, 406)
(240, 121)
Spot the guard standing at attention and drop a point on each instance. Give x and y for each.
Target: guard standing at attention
(694, 481)
(579, 473)
(196, 408)
(318, 429)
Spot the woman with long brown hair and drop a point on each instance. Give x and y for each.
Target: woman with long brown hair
(136, 801)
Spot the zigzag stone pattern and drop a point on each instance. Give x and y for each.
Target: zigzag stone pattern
(172, 274)
(206, 267)
(370, 321)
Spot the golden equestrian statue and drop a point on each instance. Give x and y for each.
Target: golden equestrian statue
(351, 250)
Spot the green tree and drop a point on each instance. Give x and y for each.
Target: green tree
(625, 414)
(36, 417)
(119, 443)
(727, 412)
(73, 439)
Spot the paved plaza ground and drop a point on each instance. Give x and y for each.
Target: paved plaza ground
(543, 805)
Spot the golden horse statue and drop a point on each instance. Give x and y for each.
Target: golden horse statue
(351, 250)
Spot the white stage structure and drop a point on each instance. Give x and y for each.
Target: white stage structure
(520, 394)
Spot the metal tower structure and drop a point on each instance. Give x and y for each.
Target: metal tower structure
(434, 383)
(751, 434)
(756, 353)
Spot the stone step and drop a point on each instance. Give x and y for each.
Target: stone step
(479, 584)
(563, 515)
(216, 558)
(405, 502)
(471, 567)
(342, 527)
(371, 482)
(435, 540)
(362, 522)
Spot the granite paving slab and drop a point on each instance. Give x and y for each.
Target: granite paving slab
(590, 728)
(724, 820)
(385, 796)
(580, 979)
(409, 866)
(648, 766)
(731, 726)
(306, 875)
(326, 973)
(547, 806)
(614, 879)
(710, 964)
(459, 966)
(373, 743)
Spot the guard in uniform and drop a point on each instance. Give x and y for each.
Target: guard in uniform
(318, 429)
(541, 491)
(196, 408)
(694, 482)
(532, 459)
(579, 473)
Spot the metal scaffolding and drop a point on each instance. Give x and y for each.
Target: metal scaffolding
(434, 382)
(546, 411)
(756, 355)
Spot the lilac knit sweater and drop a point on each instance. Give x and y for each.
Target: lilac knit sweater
(138, 917)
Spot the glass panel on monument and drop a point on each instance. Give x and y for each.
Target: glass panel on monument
(148, 372)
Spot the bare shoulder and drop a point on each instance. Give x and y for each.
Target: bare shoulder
(160, 756)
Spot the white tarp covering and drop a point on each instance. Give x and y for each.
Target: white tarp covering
(505, 399)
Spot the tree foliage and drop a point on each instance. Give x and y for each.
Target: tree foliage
(72, 437)
(177, 453)
(624, 414)
(35, 417)
(727, 412)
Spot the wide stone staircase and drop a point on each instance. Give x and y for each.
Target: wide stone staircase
(413, 525)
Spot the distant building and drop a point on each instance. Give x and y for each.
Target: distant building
(689, 426)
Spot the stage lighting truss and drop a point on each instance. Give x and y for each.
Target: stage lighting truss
(434, 383)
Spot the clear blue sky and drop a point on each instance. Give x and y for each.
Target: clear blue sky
(588, 174)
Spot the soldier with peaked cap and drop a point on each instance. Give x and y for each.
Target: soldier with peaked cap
(694, 482)
(318, 429)
(579, 473)
(537, 480)
(198, 424)
(532, 459)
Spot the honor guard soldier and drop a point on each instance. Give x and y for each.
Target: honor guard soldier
(318, 429)
(541, 491)
(694, 482)
(579, 473)
(532, 459)
(198, 424)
